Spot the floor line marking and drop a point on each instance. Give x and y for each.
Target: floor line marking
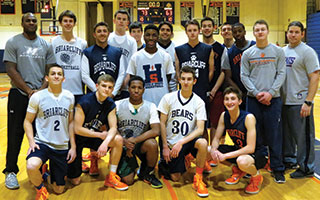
(170, 188)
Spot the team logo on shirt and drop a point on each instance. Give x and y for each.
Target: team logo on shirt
(67, 55)
(94, 124)
(31, 52)
(55, 111)
(66, 58)
(153, 76)
(193, 62)
(290, 61)
(237, 134)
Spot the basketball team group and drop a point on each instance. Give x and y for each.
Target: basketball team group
(169, 106)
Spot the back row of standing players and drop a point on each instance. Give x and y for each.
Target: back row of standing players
(155, 66)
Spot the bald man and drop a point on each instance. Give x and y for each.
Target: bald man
(26, 56)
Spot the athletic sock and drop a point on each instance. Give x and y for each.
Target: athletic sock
(45, 176)
(113, 168)
(199, 170)
(39, 187)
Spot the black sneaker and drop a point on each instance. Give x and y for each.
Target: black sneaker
(279, 177)
(291, 165)
(300, 174)
(152, 180)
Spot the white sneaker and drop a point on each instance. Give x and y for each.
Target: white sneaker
(11, 181)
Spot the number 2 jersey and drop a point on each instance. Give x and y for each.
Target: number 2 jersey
(237, 131)
(52, 119)
(182, 115)
(153, 68)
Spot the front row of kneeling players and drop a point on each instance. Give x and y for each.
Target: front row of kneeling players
(138, 123)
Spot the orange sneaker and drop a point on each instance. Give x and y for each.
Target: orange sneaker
(85, 167)
(207, 168)
(200, 186)
(113, 180)
(213, 163)
(42, 194)
(267, 166)
(187, 160)
(254, 185)
(237, 174)
(94, 170)
(86, 157)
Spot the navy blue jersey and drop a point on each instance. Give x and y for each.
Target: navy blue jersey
(218, 51)
(198, 58)
(234, 54)
(237, 131)
(96, 114)
(103, 61)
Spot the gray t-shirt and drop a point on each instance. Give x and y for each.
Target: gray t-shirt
(263, 70)
(301, 61)
(31, 57)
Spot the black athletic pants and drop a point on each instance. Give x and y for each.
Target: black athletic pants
(17, 107)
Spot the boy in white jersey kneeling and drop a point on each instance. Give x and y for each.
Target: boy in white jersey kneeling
(139, 125)
(182, 120)
(240, 126)
(52, 108)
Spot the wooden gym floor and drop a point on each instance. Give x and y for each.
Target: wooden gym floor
(92, 188)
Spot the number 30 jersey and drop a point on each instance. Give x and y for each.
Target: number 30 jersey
(52, 119)
(182, 115)
(153, 68)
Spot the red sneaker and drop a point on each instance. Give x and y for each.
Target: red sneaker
(237, 174)
(113, 180)
(85, 167)
(254, 185)
(42, 194)
(200, 186)
(94, 170)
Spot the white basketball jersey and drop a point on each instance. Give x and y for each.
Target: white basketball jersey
(182, 115)
(170, 50)
(153, 68)
(68, 56)
(128, 46)
(52, 120)
(132, 122)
